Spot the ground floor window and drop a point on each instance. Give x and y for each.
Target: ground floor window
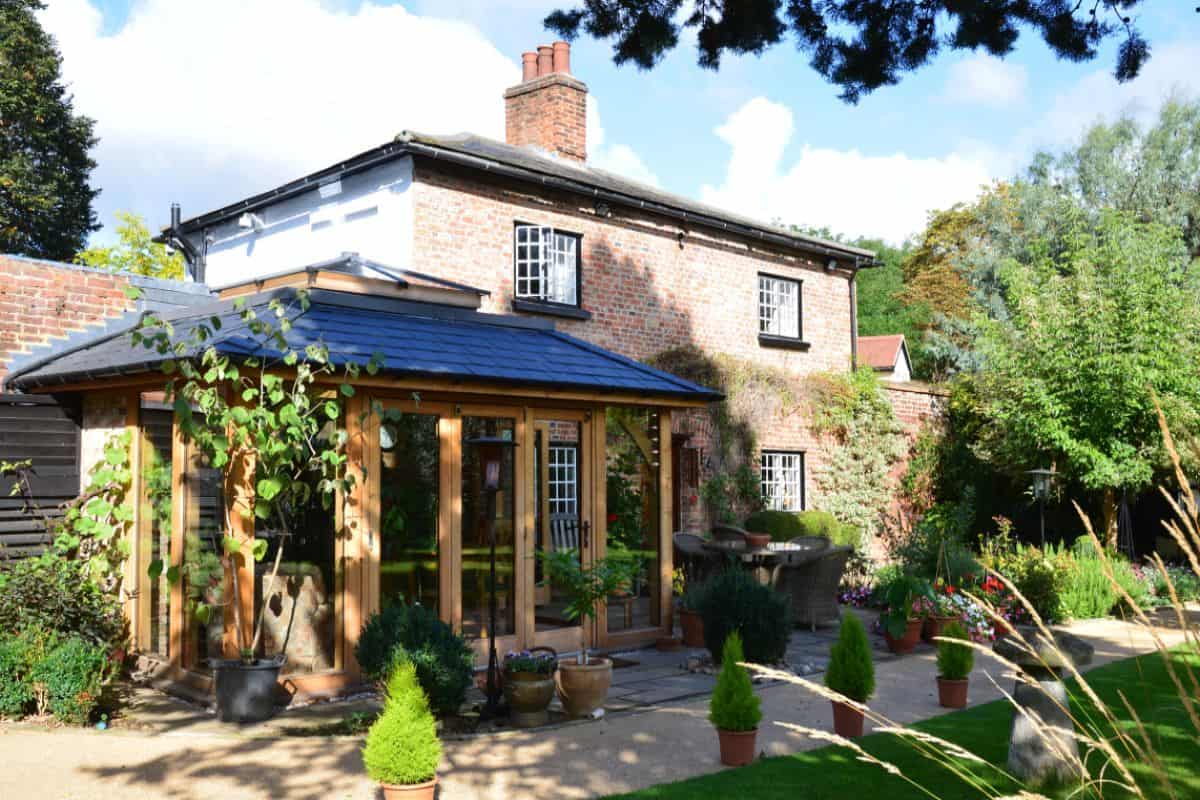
(408, 509)
(782, 474)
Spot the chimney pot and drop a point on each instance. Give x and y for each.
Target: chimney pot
(562, 57)
(545, 60)
(529, 68)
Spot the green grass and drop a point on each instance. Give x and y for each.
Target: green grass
(834, 772)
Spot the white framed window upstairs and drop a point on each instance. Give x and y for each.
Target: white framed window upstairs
(782, 475)
(778, 307)
(546, 264)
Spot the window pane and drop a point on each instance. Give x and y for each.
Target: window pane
(633, 515)
(476, 563)
(782, 477)
(778, 307)
(531, 258)
(408, 488)
(156, 421)
(563, 278)
(557, 525)
(202, 543)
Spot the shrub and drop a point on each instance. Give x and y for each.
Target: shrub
(954, 660)
(735, 601)
(1088, 593)
(402, 746)
(73, 674)
(851, 672)
(1128, 580)
(786, 525)
(51, 593)
(693, 596)
(1042, 577)
(936, 545)
(734, 705)
(18, 654)
(404, 633)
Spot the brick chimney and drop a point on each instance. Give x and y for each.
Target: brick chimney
(548, 108)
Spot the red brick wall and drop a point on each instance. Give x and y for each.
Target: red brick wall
(915, 403)
(646, 292)
(549, 112)
(41, 300)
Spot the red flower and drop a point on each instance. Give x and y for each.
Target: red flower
(612, 517)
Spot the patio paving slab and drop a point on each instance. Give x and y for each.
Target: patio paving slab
(189, 755)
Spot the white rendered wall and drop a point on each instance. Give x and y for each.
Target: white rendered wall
(902, 372)
(371, 215)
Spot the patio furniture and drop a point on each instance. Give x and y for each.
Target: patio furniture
(810, 543)
(697, 561)
(811, 580)
(728, 533)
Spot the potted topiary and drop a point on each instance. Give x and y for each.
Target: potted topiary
(402, 750)
(529, 685)
(851, 673)
(583, 685)
(691, 623)
(902, 620)
(734, 708)
(954, 660)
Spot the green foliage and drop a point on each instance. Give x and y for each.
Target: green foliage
(45, 196)
(954, 660)
(412, 634)
(936, 545)
(73, 674)
(19, 652)
(786, 525)
(1088, 593)
(885, 307)
(851, 672)
(728, 494)
(135, 253)
(50, 593)
(734, 601)
(693, 596)
(402, 747)
(586, 587)
(734, 705)
(900, 596)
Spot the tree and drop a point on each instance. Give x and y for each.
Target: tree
(1093, 339)
(136, 252)
(45, 197)
(884, 307)
(857, 45)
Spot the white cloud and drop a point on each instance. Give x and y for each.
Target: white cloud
(618, 158)
(984, 80)
(852, 193)
(206, 103)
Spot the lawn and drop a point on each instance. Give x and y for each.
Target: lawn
(834, 773)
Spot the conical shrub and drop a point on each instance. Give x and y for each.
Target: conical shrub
(402, 746)
(851, 671)
(734, 705)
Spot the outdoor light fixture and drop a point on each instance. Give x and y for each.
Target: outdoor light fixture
(1043, 481)
(831, 265)
(248, 220)
(491, 451)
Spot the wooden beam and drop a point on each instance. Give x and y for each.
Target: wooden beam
(666, 534)
(177, 625)
(351, 549)
(596, 634)
(137, 603)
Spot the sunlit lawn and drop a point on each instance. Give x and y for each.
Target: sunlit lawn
(833, 772)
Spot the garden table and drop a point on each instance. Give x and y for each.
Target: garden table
(761, 560)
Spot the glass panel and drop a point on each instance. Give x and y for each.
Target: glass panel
(779, 307)
(556, 515)
(633, 515)
(156, 442)
(202, 540)
(408, 486)
(564, 280)
(783, 481)
(476, 563)
(300, 605)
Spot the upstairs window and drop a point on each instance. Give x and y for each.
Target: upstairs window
(778, 307)
(782, 474)
(546, 265)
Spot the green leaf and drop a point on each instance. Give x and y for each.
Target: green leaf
(269, 488)
(347, 390)
(260, 549)
(230, 545)
(155, 569)
(332, 410)
(203, 613)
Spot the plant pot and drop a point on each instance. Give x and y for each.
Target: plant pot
(245, 692)
(583, 687)
(668, 644)
(934, 626)
(952, 694)
(528, 695)
(737, 747)
(414, 791)
(691, 624)
(757, 541)
(906, 643)
(847, 720)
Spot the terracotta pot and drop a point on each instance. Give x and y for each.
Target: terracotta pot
(691, 624)
(952, 694)
(415, 791)
(528, 695)
(757, 541)
(583, 687)
(668, 644)
(934, 626)
(737, 747)
(906, 643)
(847, 720)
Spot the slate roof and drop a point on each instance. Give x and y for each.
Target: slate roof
(531, 165)
(415, 340)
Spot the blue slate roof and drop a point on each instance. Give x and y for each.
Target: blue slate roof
(414, 339)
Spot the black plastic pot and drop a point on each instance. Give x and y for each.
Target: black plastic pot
(245, 692)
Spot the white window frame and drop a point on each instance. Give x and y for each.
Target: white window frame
(546, 264)
(779, 306)
(782, 477)
(562, 482)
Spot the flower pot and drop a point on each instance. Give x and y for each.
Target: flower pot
(245, 692)
(414, 791)
(757, 541)
(933, 627)
(847, 720)
(691, 624)
(737, 747)
(906, 643)
(952, 694)
(583, 687)
(528, 695)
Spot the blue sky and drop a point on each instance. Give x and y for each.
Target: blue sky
(284, 86)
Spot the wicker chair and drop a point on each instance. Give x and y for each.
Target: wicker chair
(812, 585)
(728, 533)
(690, 554)
(809, 546)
